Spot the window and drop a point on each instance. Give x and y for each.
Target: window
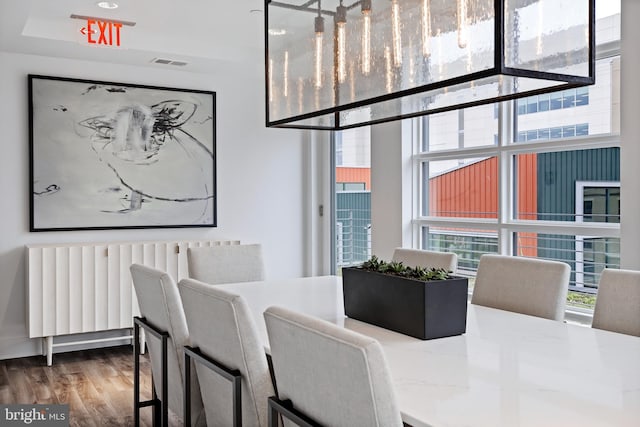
(596, 201)
(600, 203)
(553, 133)
(544, 103)
(472, 127)
(352, 196)
(594, 108)
(350, 186)
(569, 98)
(556, 101)
(582, 96)
(529, 180)
(338, 154)
(464, 188)
(469, 245)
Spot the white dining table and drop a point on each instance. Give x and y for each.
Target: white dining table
(508, 369)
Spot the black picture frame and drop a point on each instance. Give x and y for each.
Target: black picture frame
(107, 155)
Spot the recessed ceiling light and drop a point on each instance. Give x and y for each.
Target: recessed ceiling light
(277, 32)
(107, 5)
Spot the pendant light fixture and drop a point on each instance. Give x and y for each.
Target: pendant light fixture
(395, 59)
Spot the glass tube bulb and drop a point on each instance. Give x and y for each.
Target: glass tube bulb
(300, 95)
(366, 41)
(396, 34)
(463, 27)
(341, 42)
(426, 27)
(285, 74)
(389, 71)
(342, 53)
(319, 29)
(270, 80)
(318, 59)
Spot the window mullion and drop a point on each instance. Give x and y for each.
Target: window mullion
(505, 177)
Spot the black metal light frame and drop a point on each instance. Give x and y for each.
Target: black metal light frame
(160, 405)
(232, 375)
(499, 69)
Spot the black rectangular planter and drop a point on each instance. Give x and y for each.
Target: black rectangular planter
(425, 310)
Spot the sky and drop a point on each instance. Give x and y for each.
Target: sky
(607, 8)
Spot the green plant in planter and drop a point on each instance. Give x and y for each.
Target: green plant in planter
(398, 269)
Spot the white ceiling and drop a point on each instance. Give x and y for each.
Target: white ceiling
(204, 33)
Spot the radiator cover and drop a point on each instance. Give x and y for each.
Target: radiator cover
(87, 287)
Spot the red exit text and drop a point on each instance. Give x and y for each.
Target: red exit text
(102, 32)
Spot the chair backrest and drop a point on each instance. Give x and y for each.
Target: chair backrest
(226, 263)
(161, 306)
(335, 376)
(524, 285)
(618, 303)
(430, 259)
(222, 327)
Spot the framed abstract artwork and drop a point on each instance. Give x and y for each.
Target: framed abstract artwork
(107, 155)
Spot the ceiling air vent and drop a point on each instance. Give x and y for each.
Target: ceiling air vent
(165, 61)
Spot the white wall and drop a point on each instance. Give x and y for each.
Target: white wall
(630, 137)
(259, 175)
(391, 188)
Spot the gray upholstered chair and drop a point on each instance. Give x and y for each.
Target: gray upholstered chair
(226, 263)
(618, 304)
(161, 309)
(331, 375)
(524, 285)
(422, 258)
(223, 330)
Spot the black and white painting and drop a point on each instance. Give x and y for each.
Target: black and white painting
(111, 155)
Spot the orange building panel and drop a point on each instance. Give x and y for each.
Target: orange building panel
(363, 175)
(527, 175)
(471, 191)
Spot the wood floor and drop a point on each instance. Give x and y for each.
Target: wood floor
(97, 385)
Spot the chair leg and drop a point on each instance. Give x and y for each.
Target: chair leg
(237, 401)
(160, 406)
(136, 375)
(187, 390)
(165, 383)
(273, 416)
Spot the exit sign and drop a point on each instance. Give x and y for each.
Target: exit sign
(98, 32)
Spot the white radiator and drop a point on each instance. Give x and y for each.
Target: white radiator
(87, 287)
